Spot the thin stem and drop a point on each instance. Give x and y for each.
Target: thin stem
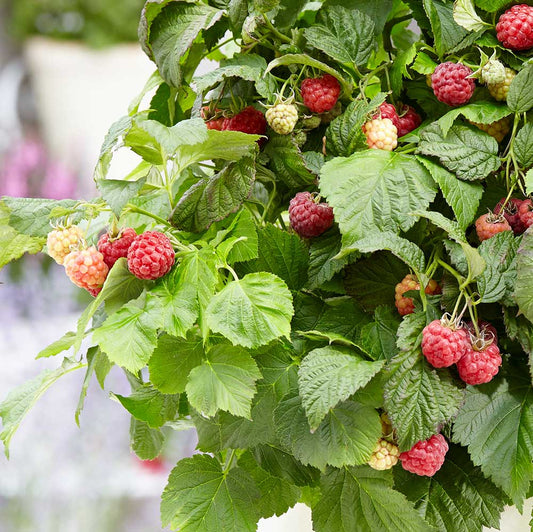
(273, 30)
(139, 210)
(448, 268)
(232, 271)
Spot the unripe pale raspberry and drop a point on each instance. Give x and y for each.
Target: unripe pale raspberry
(515, 28)
(488, 225)
(113, 248)
(451, 83)
(86, 268)
(381, 134)
(426, 457)
(512, 214)
(499, 91)
(406, 305)
(282, 118)
(308, 218)
(151, 255)
(525, 211)
(443, 345)
(320, 94)
(60, 242)
(480, 366)
(497, 129)
(385, 456)
(408, 121)
(493, 72)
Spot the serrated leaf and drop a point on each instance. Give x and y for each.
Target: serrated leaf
(378, 338)
(496, 423)
(225, 381)
(360, 498)
(491, 5)
(523, 146)
(92, 358)
(13, 244)
(252, 311)
(347, 36)
(64, 343)
(423, 64)
(146, 443)
(330, 375)
(117, 192)
(524, 279)
(520, 97)
(464, 13)
(375, 189)
(399, 68)
(469, 153)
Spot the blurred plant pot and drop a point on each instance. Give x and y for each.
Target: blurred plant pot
(79, 91)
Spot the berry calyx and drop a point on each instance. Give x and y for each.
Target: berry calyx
(478, 366)
(61, 241)
(320, 94)
(497, 130)
(113, 248)
(307, 217)
(499, 91)
(381, 134)
(452, 84)
(488, 225)
(86, 268)
(151, 255)
(487, 331)
(443, 344)
(525, 212)
(511, 212)
(385, 456)
(406, 305)
(408, 121)
(282, 118)
(425, 457)
(515, 28)
(213, 118)
(249, 120)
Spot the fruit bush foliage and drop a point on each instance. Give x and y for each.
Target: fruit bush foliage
(323, 355)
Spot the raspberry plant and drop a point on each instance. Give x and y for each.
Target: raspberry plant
(277, 336)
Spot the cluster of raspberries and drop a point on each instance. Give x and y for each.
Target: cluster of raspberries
(512, 215)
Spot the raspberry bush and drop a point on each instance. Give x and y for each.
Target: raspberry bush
(344, 326)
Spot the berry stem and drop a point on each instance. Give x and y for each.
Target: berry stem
(232, 271)
(456, 307)
(139, 210)
(274, 31)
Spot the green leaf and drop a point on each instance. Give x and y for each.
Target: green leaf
(283, 254)
(347, 435)
(173, 31)
(523, 146)
(117, 130)
(225, 381)
(129, 336)
(149, 405)
(470, 153)
(92, 358)
(20, 400)
(496, 423)
(201, 497)
(423, 64)
(213, 198)
(458, 497)
(102, 367)
(172, 361)
(449, 226)
(461, 196)
(375, 189)
(117, 192)
(378, 338)
(399, 68)
(347, 36)
(524, 280)
(360, 498)
(13, 244)
(64, 343)
(464, 13)
(252, 311)
(146, 443)
(520, 97)
(345, 134)
(491, 5)
(330, 375)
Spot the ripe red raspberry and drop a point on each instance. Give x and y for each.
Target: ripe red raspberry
(406, 305)
(488, 225)
(86, 268)
(249, 120)
(512, 214)
(212, 117)
(94, 291)
(387, 110)
(443, 344)
(426, 457)
(381, 134)
(408, 121)
(487, 331)
(499, 91)
(320, 94)
(451, 83)
(309, 218)
(60, 242)
(480, 366)
(497, 129)
(525, 211)
(151, 255)
(515, 28)
(113, 248)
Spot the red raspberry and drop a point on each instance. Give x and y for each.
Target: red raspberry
(488, 225)
(479, 366)
(525, 211)
(387, 110)
(86, 268)
(249, 120)
(426, 457)
(406, 305)
(451, 83)
(487, 330)
(212, 118)
(442, 344)
(409, 121)
(320, 94)
(512, 214)
(309, 218)
(515, 28)
(151, 255)
(113, 248)
(94, 291)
